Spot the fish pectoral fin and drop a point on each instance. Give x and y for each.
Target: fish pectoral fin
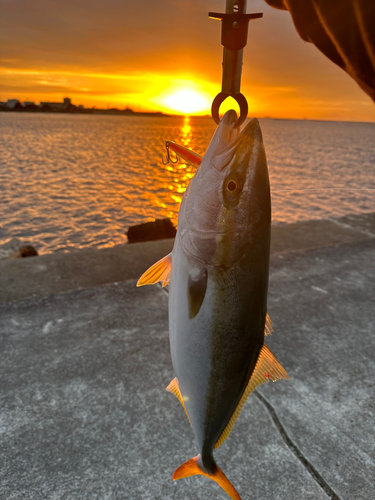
(160, 271)
(267, 368)
(196, 292)
(268, 328)
(174, 388)
(191, 468)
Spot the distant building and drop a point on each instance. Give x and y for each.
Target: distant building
(30, 106)
(65, 106)
(13, 104)
(45, 107)
(57, 106)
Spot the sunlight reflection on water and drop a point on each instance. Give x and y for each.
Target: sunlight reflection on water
(80, 181)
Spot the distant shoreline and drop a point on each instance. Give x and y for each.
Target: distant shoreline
(86, 111)
(66, 106)
(159, 114)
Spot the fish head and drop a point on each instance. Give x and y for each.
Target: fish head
(226, 208)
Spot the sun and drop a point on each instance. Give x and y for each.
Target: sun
(183, 96)
(187, 101)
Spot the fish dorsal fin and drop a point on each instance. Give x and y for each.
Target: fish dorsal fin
(174, 388)
(268, 329)
(267, 368)
(196, 292)
(160, 271)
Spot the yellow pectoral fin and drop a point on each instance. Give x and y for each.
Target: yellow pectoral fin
(267, 368)
(160, 271)
(175, 389)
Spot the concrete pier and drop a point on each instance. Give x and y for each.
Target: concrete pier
(85, 362)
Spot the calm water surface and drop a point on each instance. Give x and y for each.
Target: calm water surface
(80, 181)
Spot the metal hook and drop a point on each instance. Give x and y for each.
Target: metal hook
(241, 101)
(169, 159)
(234, 29)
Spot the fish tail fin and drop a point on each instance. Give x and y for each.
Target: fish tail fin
(191, 468)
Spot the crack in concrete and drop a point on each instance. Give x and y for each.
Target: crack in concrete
(348, 226)
(294, 448)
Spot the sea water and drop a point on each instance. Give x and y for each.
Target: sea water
(78, 181)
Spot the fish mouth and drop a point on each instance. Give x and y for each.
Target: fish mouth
(226, 130)
(230, 139)
(223, 136)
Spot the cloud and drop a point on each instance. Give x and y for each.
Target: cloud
(96, 34)
(129, 51)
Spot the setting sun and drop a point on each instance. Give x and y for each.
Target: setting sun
(184, 96)
(187, 101)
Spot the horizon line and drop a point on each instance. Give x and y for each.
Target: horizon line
(170, 115)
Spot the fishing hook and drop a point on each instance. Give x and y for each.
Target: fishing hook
(169, 159)
(234, 29)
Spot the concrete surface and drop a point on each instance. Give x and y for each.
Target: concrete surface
(322, 303)
(61, 272)
(84, 411)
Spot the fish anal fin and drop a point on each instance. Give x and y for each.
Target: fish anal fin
(174, 388)
(267, 368)
(160, 271)
(191, 468)
(268, 328)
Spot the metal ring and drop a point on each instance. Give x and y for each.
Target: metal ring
(241, 101)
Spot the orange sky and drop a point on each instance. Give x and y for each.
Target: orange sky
(141, 54)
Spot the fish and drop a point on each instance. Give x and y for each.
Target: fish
(218, 283)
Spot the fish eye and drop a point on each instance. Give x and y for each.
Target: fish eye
(232, 185)
(232, 188)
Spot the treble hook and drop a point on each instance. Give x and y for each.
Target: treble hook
(169, 159)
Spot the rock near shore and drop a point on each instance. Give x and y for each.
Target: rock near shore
(14, 249)
(160, 229)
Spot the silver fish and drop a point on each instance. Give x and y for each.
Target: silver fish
(218, 281)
